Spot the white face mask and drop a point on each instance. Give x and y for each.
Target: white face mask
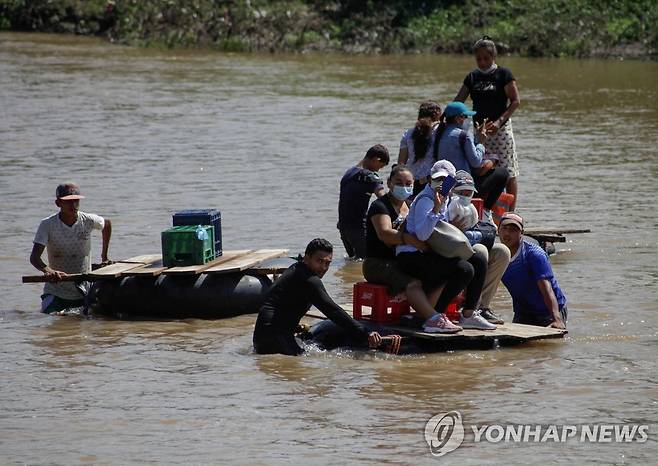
(467, 125)
(464, 200)
(491, 69)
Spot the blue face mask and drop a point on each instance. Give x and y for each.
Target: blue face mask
(402, 193)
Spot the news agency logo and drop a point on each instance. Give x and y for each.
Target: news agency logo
(445, 433)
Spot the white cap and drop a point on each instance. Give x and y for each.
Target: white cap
(442, 168)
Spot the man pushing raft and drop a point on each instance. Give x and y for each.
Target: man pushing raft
(292, 295)
(66, 236)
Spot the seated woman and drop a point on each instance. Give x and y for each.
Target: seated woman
(432, 269)
(383, 233)
(418, 150)
(457, 145)
(460, 212)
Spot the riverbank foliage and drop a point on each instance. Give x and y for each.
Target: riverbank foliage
(580, 28)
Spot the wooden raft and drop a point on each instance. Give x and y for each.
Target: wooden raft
(150, 265)
(554, 235)
(507, 333)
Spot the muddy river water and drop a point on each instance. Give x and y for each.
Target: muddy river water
(265, 139)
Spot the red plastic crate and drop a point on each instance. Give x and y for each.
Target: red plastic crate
(479, 205)
(383, 307)
(452, 310)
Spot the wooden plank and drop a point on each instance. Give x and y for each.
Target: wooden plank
(274, 266)
(197, 269)
(148, 270)
(248, 261)
(268, 270)
(143, 259)
(112, 271)
(43, 279)
(502, 331)
(507, 331)
(555, 231)
(547, 238)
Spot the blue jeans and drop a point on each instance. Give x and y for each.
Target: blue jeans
(543, 321)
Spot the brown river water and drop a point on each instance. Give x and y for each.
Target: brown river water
(265, 139)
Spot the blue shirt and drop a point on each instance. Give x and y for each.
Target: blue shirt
(524, 270)
(463, 156)
(421, 220)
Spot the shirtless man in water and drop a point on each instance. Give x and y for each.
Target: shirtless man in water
(290, 298)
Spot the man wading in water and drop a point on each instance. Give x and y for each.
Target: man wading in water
(290, 298)
(67, 237)
(536, 296)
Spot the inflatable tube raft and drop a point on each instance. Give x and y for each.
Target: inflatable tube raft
(204, 296)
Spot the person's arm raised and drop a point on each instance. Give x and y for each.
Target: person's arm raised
(403, 156)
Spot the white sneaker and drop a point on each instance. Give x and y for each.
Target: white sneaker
(476, 321)
(439, 323)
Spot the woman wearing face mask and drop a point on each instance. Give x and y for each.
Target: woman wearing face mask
(457, 145)
(430, 268)
(463, 214)
(495, 98)
(385, 217)
(417, 146)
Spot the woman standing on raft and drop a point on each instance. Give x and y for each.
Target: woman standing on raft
(417, 146)
(495, 98)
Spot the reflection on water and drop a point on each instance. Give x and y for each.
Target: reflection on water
(265, 139)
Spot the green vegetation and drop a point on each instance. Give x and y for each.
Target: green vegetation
(579, 28)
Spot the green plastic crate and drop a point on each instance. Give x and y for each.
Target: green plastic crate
(181, 246)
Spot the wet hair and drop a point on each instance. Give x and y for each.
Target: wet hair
(486, 43)
(443, 123)
(378, 151)
(318, 244)
(397, 169)
(428, 113)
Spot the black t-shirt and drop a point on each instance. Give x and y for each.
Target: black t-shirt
(290, 298)
(488, 92)
(374, 246)
(356, 187)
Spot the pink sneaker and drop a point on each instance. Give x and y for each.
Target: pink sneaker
(439, 323)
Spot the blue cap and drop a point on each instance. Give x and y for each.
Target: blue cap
(454, 109)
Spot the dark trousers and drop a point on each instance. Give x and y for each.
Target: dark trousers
(433, 270)
(277, 344)
(541, 321)
(354, 240)
(491, 185)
